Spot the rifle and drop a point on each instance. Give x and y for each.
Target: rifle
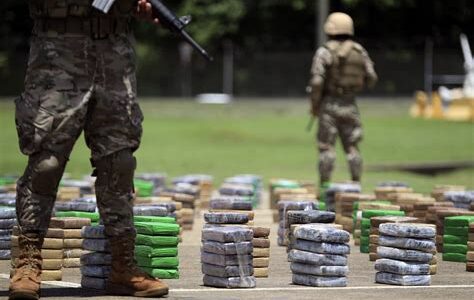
(167, 18)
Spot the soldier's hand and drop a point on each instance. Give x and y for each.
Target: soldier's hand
(144, 12)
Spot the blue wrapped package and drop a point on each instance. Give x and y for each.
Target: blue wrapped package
(96, 258)
(334, 271)
(316, 259)
(5, 244)
(101, 245)
(406, 280)
(5, 254)
(93, 232)
(227, 271)
(411, 230)
(7, 223)
(226, 218)
(230, 282)
(101, 271)
(320, 247)
(227, 248)
(404, 254)
(401, 268)
(317, 233)
(7, 213)
(425, 245)
(93, 283)
(319, 281)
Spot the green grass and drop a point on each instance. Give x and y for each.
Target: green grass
(269, 138)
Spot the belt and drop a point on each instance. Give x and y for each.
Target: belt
(94, 27)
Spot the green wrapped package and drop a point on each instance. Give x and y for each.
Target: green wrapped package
(169, 220)
(458, 221)
(365, 223)
(158, 262)
(364, 248)
(143, 187)
(365, 232)
(454, 239)
(459, 231)
(162, 273)
(322, 205)
(457, 257)
(94, 217)
(152, 228)
(455, 248)
(147, 251)
(364, 240)
(369, 213)
(156, 241)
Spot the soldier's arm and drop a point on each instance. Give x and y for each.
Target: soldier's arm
(322, 59)
(371, 76)
(144, 12)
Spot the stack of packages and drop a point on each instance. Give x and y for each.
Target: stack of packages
(226, 257)
(421, 209)
(345, 208)
(405, 250)
(374, 231)
(407, 201)
(240, 185)
(7, 221)
(439, 190)
(191, 185)
(456, 235)
(319, 256)
(68, 193)
(460, 199)
(360, 206)
(295, 218)
(470, 249)
(158, 180)
(328, 195)
(85, 186)
(284, 189)
(156, 247)
(92, 216)
(52, 253)
(96, 264)
(236, 204)
(283, 208)
(365, 225)
(261, 251)
(72, 243)
(83, 204)
(173, 208)
(384, 189)
(439, 215)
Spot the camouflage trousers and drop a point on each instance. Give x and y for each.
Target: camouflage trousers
(339, 117)
(75, 85)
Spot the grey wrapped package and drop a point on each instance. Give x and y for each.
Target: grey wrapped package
(319, 281)
(101, 271)
(7, 213)
(396, 279)
(314, 232)
(96, 258)
(316, 259)
(320, 247)
(230, 282)
(234, 203)
(227, 234)
(226, 271)
(101, 245)
(226, 260)
(401, 268)
(412, 230)
(404, 254)
(226, 218)
(334, 271)
(227, 248)
(425, 245)
(93, 232)
(93, 283)
(309, 216)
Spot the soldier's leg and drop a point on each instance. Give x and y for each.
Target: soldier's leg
(113, 133)
(327, 133)
(351, 134)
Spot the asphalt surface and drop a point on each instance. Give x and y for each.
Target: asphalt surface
(451, 282)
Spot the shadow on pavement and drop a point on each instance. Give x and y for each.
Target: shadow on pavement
(70, 292)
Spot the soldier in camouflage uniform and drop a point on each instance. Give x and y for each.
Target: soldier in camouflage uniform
(340, 69)
(80, 77)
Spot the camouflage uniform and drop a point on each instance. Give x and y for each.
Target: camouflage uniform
(80, 77)
(340, 69)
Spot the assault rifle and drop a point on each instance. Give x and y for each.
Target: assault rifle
(167, 18)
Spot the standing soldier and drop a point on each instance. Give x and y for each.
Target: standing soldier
(80, 76)
(340, 69)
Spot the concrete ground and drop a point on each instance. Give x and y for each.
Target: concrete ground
(451, 282)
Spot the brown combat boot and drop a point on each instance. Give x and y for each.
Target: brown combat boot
(26, 280)
(126, 279)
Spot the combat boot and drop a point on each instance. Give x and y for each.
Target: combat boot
(26, 280)
(126, 279)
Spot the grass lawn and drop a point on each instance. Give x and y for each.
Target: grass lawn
(269, 138)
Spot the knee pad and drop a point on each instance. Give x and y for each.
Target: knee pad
(46, 172)
(116, 170)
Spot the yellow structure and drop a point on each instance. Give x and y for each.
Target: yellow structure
(460, 109)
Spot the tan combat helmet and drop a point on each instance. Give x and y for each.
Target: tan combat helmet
(339, 23)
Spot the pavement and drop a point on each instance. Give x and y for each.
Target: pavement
(451, 282)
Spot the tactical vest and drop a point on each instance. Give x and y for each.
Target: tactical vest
(346, 75)
(79, 17)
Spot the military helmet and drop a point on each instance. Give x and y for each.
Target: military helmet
(339, 23)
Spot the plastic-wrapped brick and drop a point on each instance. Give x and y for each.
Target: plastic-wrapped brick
(396, 279)
(7, 223)
(227, 271)
(314, 232)
(310, 216)
(234, 203)
(412, 230)
(101, 245)
(320, 247)
(319, 281)
(226, 260)
(425, 245)
(227, 248)
(404, 254)
(150, 211)
(93, 232)
(316, 259)
(7, 213)
(101, 271)
(230, 282)
(334, 271)
(227, 234)
(401, 268)
(226, 218)
(93, 283)
(96, 258)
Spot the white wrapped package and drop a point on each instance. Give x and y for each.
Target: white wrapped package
(225, 260)
(230, 282)
(396, 279)
(316, 259)
(227, 248)
(101, 271)
(96, 258)
(317, 233)
(93, 232)
(412, 230)
(226, 218)
(101, 245)
(424, 245)
(227, 234)
(404, 254)
(319, 281)
(227, 271)
(333, 271)
(320, 247)
(93, 283)
(401, 268)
